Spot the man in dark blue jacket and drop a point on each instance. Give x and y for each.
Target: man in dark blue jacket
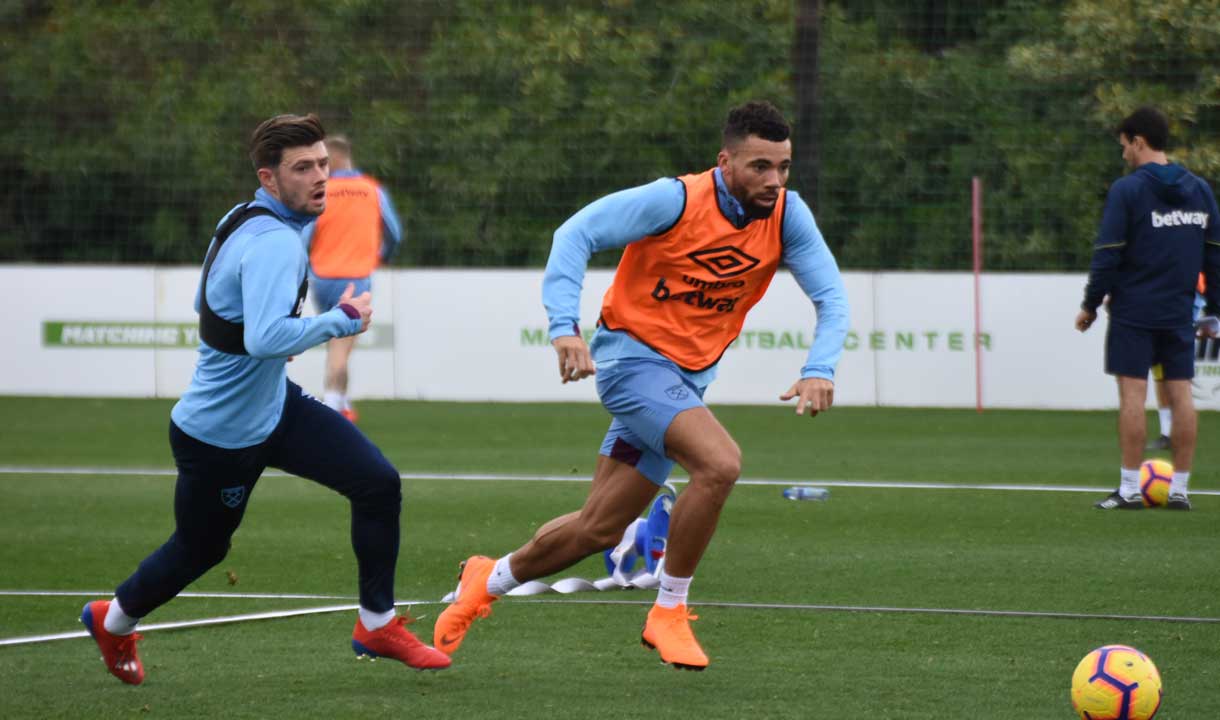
(1158, 231)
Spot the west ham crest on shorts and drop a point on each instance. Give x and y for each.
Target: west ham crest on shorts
(233, 496)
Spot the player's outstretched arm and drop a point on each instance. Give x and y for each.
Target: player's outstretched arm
(269, 284)
(575, 361)
(815, 394)
(613, 221)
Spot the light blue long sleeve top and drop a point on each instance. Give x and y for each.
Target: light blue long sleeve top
(391, 235)
(235, 401)
(624, 217)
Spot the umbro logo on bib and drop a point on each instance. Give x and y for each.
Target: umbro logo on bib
(724, 262)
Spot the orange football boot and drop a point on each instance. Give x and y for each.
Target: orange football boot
(351, 414)
(471, 600)
(396, 642)
(118, 651)
(667, 631)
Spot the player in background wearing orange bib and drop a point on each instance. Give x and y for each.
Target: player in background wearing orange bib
(358, 232)
(700, 252)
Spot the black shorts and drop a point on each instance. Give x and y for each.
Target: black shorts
(1131, 351)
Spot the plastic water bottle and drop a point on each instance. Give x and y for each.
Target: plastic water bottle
(803, 492)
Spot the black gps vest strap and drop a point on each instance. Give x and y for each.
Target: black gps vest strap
(217, 332)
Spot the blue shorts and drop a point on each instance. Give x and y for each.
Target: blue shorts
(1131, 351)
(644, 396)
(327, 291)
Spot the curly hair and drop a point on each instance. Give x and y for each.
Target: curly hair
(755, 118)
(273, 135)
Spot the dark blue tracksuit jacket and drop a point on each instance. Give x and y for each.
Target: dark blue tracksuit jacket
(1158, 232)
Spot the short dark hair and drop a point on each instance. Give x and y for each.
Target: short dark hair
(273, 135)
(1150, 124)
(755, 118)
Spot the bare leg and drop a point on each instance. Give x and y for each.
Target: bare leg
(618, 495)
(338, 350)
(1185, 423)
(1132, 395)
(1162, 394)
(699, 443)
(1164, 416)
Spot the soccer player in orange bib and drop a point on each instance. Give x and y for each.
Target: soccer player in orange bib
(700, 251)
(358, 232)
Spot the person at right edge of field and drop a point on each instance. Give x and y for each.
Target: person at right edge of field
(700, 251)
(1158, 231)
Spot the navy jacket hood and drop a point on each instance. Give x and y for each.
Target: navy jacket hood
(1170, 183)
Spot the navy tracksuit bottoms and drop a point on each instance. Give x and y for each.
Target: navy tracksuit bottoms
(214, 485)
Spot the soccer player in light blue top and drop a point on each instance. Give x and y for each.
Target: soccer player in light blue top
(700, 250)
(241, 414)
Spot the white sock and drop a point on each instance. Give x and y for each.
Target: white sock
(332, 400)
(372, 620)
(347, 403)
(1166, 416)
(501, 579)
(118, 622)
(673, 590)
(1129, 483)
(1178, 485)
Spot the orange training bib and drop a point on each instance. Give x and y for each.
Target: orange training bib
(347, 239)
(685, 293)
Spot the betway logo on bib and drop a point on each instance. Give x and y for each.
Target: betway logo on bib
(1179, 217)
(698, 298)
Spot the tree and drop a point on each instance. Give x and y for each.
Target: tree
(127, 123)
(907, 128)
(566, 101)
(806, 72)
(1129, 53)
(492, 121)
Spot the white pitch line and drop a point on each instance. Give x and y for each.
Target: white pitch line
(744, 605)
(248, 617)
(504, 477)
(241, 596)
(276, 614)
(913, 610)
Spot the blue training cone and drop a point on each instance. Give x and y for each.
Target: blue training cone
(649, 535)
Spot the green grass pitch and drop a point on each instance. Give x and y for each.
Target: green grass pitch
(864, 550)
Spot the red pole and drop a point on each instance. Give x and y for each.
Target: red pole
(976, 212)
